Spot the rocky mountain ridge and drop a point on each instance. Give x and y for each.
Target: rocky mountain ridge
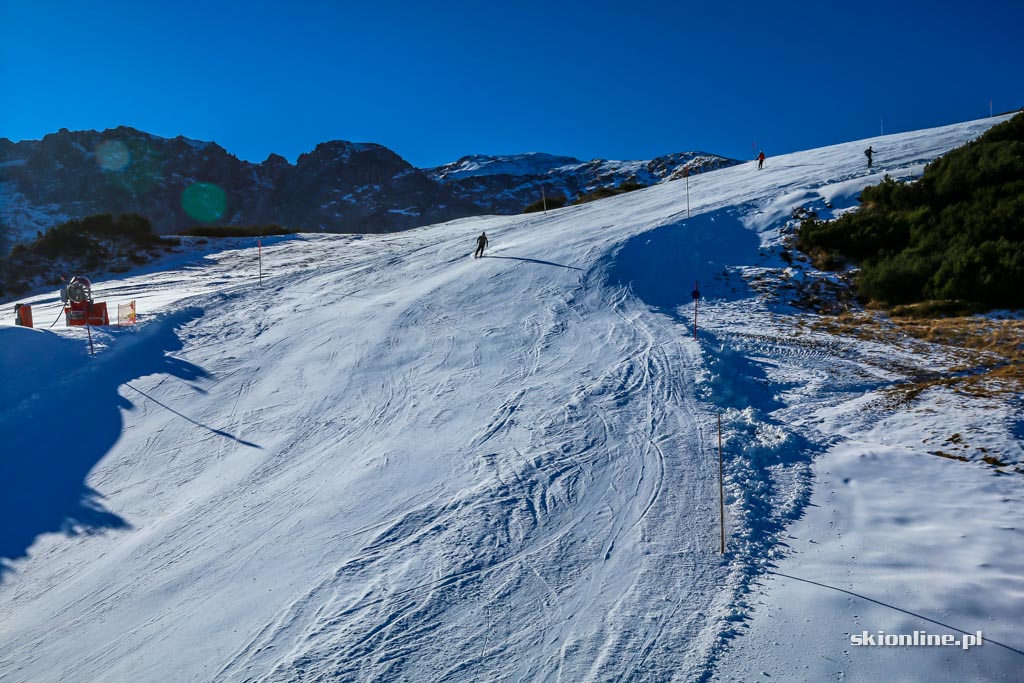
(339, 186)
(505, 184)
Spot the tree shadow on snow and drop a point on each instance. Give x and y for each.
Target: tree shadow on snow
(53, 441)
(661, 265)
(764, 458)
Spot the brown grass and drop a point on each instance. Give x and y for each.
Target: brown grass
(987, 356)
(943, 454)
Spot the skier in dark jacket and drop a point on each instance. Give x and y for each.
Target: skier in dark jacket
(868, 152)
(481, 244)
(760, 160)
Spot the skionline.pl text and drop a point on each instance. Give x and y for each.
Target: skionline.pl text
(917, 638)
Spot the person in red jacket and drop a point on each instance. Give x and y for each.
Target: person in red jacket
(760, 160)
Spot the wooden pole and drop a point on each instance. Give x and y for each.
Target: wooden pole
(696, 298)
(694, 320)
(721, 485)
(544, 198)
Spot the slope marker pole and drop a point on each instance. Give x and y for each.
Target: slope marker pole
(721, 486)
(696, 297)
(686, 174)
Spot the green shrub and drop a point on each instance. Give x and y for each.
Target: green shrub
(608, 191)
(88, 243)
(555, 202)
(957, 234)
(237, 231)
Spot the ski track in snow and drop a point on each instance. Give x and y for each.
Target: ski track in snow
(395, 462)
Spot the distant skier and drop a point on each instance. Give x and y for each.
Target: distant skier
(868, 152)
(760, 160)
(481, 244)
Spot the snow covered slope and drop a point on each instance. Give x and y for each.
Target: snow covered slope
(395, 462)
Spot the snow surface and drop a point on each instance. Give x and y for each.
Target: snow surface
(395, 462)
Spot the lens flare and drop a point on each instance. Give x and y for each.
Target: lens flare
(113, 155)
(204, 202)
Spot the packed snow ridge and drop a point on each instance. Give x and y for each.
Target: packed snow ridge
(393, 461)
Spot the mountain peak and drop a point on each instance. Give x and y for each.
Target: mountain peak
(338, 186)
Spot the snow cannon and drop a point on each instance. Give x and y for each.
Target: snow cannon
(79, 290)
(82, 309)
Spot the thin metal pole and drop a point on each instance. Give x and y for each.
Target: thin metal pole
(259, 248)
(544, 198)
(721, 486)
(687, 194)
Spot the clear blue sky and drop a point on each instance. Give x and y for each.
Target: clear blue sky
(435, 80)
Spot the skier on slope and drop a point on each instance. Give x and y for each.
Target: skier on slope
(868, 152)
(760, 160)
(481, 244)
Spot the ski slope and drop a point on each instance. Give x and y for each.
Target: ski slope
(395, 462)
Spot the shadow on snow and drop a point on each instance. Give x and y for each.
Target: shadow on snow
(533, 260)
(763, 457)
(55, 438)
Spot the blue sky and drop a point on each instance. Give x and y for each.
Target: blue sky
(438, 80)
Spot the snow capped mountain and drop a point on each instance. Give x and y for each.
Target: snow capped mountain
(394, 462)
(533, 163)
(507, 184)
(339, 186)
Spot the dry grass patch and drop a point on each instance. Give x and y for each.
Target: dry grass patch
(989, 353)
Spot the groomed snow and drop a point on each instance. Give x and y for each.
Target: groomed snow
(395, 462)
